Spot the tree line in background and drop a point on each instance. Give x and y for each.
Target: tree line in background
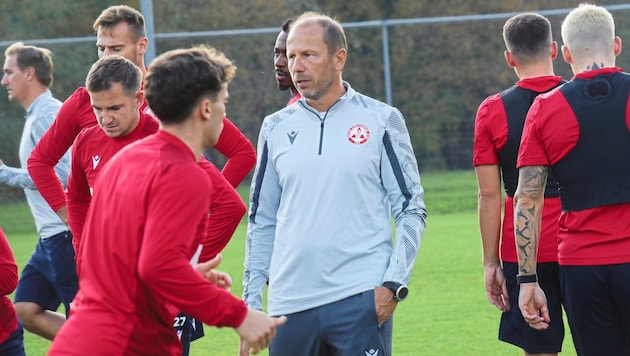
(440, 72)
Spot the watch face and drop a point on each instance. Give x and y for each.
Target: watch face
(402, 293)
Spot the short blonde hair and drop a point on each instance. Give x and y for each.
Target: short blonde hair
(589, 29)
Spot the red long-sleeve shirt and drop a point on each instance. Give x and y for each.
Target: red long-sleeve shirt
(226, 211)
(147, 218)
(90, 153)
(239, 150)
(76, 114)
(93, 149)
(8, 283)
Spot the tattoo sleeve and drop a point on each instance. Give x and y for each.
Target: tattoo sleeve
(528, 205)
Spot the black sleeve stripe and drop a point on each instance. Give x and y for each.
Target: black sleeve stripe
(258, 179)
(397, 169)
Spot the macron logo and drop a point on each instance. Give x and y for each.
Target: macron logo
(371, 352)
(96, 159)
(292, 135)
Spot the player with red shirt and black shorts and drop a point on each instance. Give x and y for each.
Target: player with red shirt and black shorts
(120, 30)
(581, 133)
(147, 221)
(498, 127)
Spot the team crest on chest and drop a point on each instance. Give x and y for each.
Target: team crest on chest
(358, 134)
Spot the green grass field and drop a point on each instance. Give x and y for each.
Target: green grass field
(446, 313)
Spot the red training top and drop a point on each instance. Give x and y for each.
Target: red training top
(491, 135)
(93, 149)
(90, 153)
(146, 221)
(596, 236)
(76, 113)
(239, 150)
(8, 283)
(226, 211)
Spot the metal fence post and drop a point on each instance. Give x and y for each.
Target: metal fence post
(146, 8)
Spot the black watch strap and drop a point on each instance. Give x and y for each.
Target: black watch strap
(528, 278)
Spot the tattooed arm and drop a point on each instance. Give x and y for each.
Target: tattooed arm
(528, 205)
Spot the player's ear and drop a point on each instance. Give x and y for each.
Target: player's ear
(509, 59)
(566, 54)
(142, 45)
(30, 73)
(554, 50)
(204, 109)
(340, 58)
(139, 98)
(617, 46)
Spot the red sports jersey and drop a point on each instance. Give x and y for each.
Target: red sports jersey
(226, 211)
(8, 283)
(234, 145)
(491, 135)
(75, 114)
(90, 153)
(146, 221)
(93, 149)
(596, 236)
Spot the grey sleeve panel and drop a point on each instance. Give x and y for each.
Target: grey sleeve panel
(401, 178)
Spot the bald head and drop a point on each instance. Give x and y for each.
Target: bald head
(333, 34)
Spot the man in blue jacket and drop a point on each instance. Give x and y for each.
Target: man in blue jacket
(333, 169)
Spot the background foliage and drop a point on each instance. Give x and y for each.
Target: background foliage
(440, 72)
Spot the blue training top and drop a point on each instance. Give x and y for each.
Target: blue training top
(325, 189)
(39, 116)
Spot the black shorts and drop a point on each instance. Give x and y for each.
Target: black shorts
(514, 330)
(188, 329)
(597, 301)
(50, 275)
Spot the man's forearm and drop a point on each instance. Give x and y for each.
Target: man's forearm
(46, 180)
(489, 203)
(489, 209)
(528, 205)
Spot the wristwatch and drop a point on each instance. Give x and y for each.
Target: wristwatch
(400, 290)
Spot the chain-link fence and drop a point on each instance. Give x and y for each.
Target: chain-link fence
(435, 70)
